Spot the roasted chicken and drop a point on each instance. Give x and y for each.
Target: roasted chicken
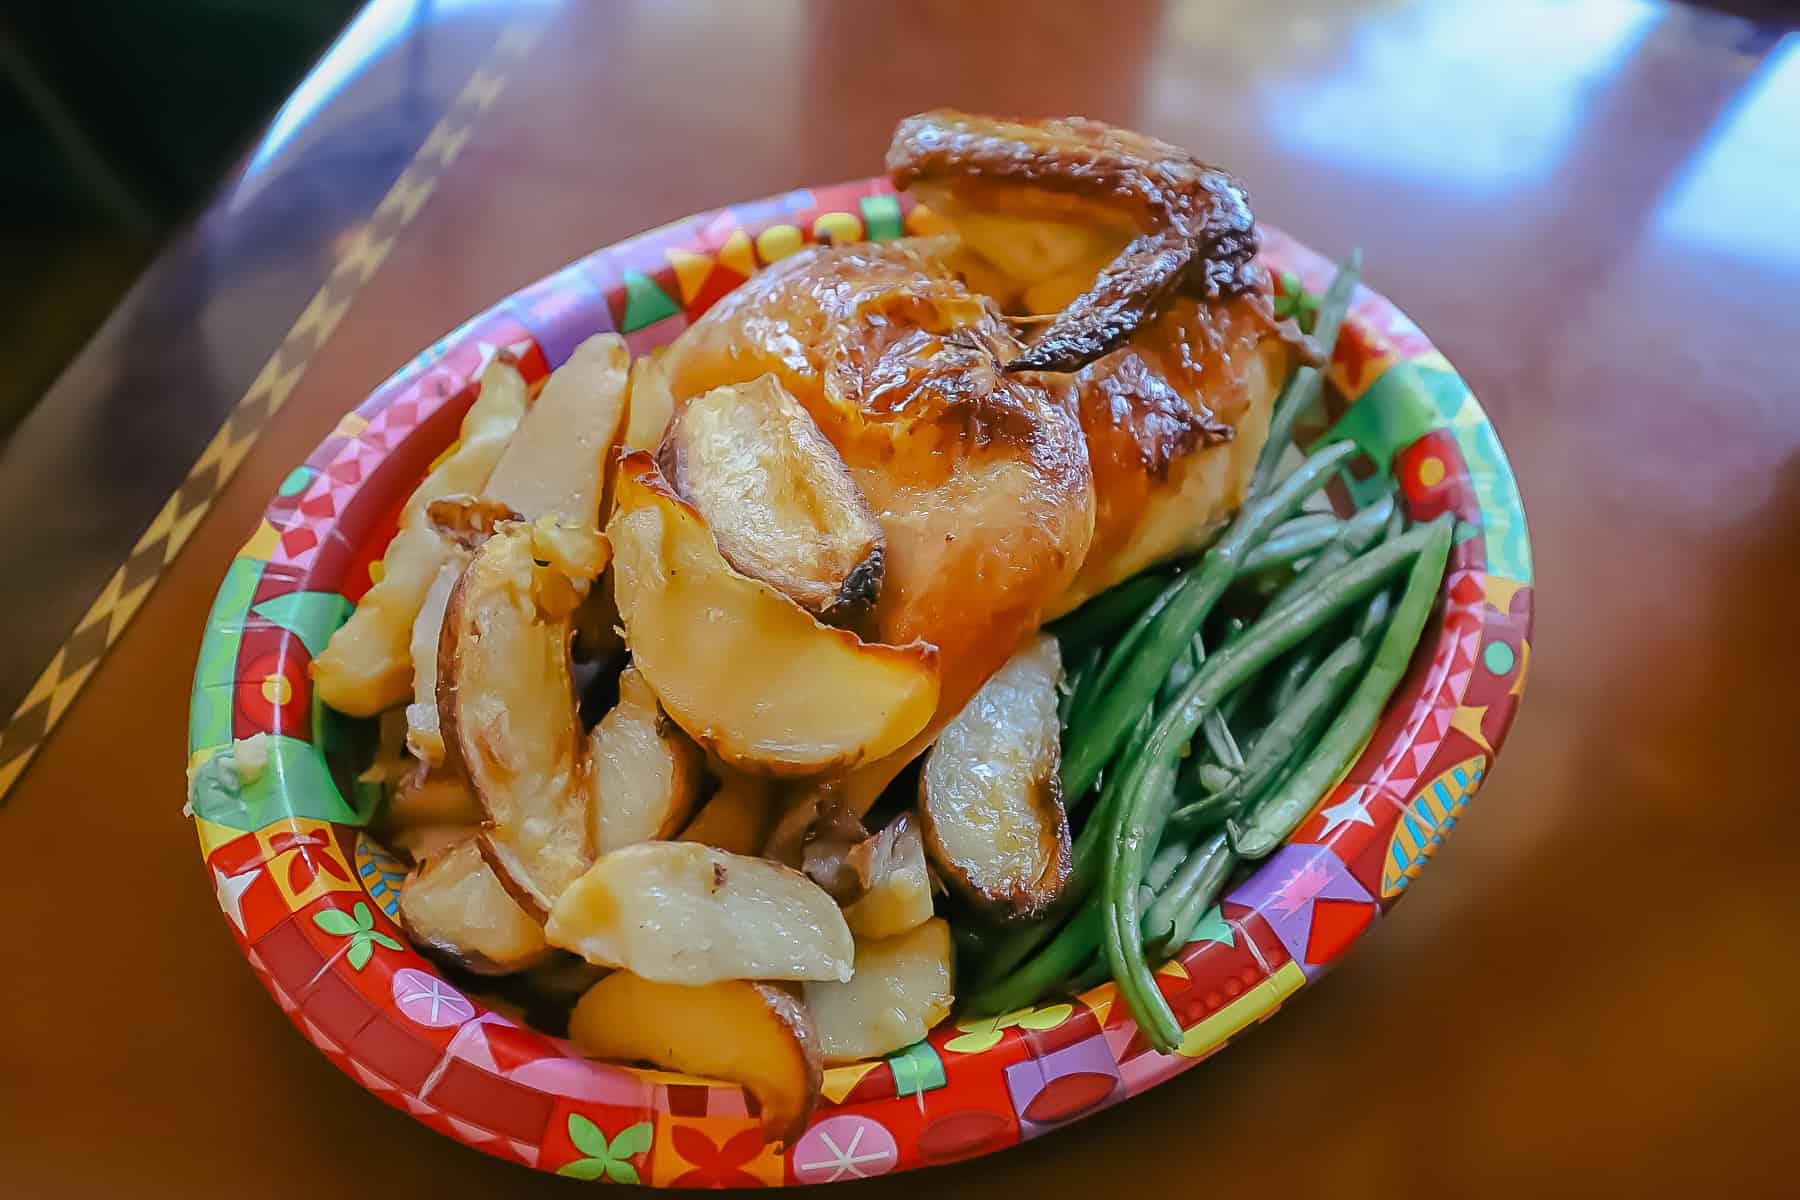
(1142, 259)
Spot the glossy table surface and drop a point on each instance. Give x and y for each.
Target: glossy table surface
(1590, 207)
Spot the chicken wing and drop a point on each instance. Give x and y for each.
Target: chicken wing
(1142, 258)
(1173, 223)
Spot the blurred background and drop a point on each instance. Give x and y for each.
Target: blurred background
(119, 117)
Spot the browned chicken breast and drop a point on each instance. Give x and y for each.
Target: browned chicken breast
(1142, 258)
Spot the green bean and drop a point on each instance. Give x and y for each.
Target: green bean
(1071, 947)
(1096, 973)
(1108, 612)
(1204, 895)
(1219, 740)
(1163, 867)
(1200, 817)
(1361, 531)
(1065, 705)
(1183, 670)
(1303, 387)
(1275, 818)
(1288, 734)
(1293, 676)
(1292, 542)
(1204, 871)
(1214, 778)
(1139, 813)
(1122, 652)
(1098, 735)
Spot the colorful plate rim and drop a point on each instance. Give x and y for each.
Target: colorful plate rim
(311, 901)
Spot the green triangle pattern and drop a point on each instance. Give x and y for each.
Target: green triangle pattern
(645, 303)
(310, 616)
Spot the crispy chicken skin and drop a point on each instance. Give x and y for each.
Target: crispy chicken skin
(1174, 421)
(1142, 258)
(1189, 224)
(978, 477)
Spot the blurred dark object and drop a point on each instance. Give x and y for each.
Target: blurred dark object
(117, 118)
(1777, 13)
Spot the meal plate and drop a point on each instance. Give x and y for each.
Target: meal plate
(311, 899)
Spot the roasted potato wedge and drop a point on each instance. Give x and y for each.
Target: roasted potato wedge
(779, 501)
(900, 990)
(431, 797)
(419, 844)
(737, 817)
(506, 703)
(453, 907)
(680, 912)
(896, 882)
(992, 814)
(557, 462)
(367, 665)
(755, 1034)
(652, 403)
(424, 737)
(646, 773)
(800, 697)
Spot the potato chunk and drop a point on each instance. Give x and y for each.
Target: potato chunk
(896, 884)
(743, 669)
(506, 703)
(754, 1034)
(779, 500)
(367, 667)
(680, 912)
(646, 773)
(900, 990)
(453, 907)
(993, 816)
(737, 817)
(556, 464)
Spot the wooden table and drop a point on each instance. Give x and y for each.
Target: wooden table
(1589, 207)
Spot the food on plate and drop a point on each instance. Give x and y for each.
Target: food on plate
(755, 1034)
(900, 990)
(738, 816)
(646, 773)
(1144, 256)
(505, 699)
(681, 912)
(420, 843)
(779, 501)
(647, 416)
(749, 674)
(424, 735)
(556, 463)
(930, 507)
(896, 883)
(978, 478)
(1175, 224)
(367, 666)
(453, 907)
(989, 799)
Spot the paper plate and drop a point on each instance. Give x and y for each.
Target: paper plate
(311, 900)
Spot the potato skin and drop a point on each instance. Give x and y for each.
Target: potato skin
(990, 803)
